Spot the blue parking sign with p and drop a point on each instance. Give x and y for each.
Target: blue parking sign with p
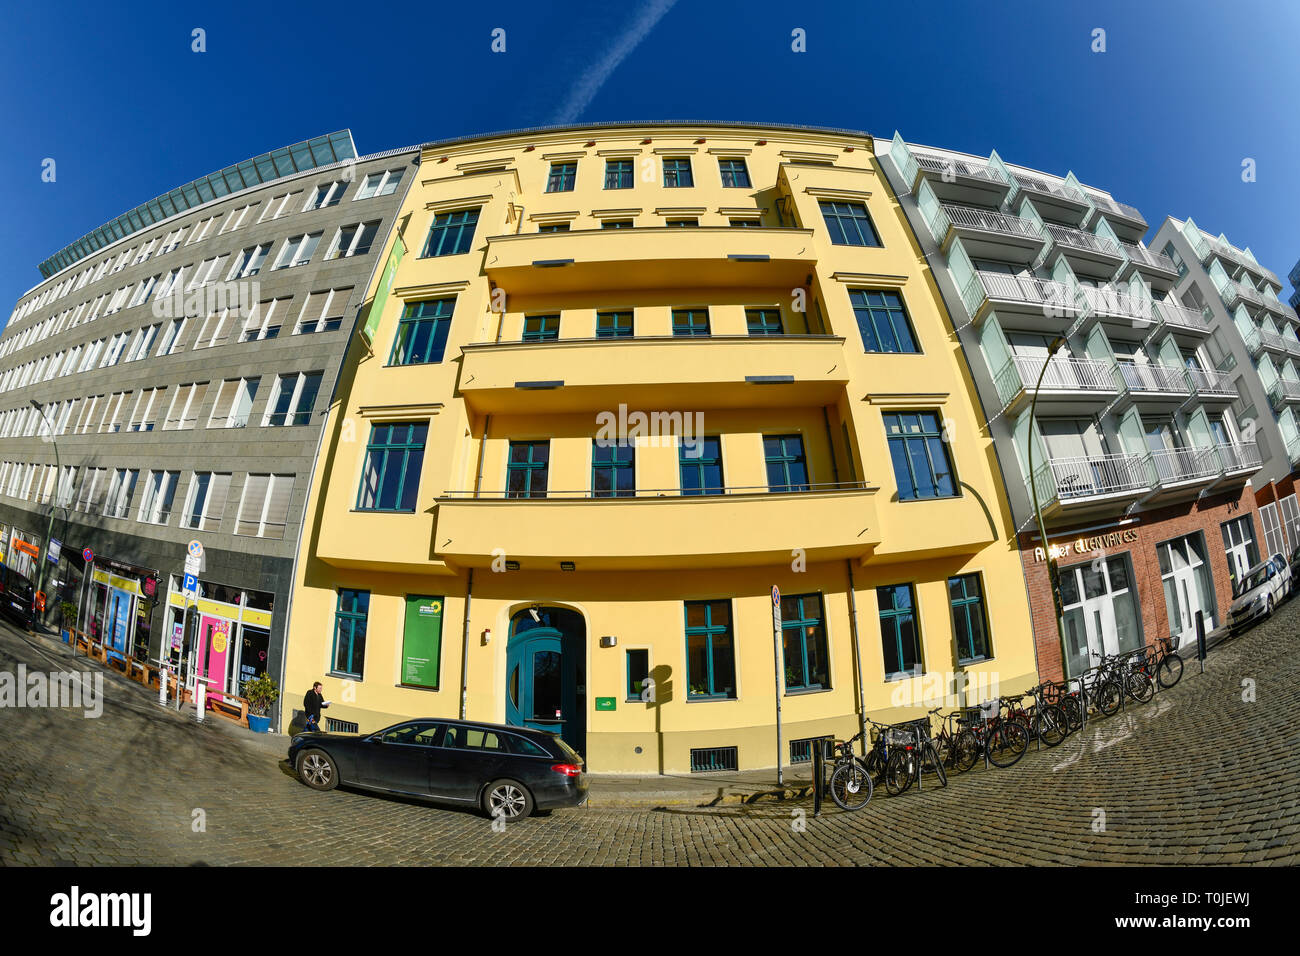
(191, 583)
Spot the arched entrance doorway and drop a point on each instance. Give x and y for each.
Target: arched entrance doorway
(546, 673)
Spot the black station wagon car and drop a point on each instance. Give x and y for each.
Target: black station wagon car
(507, 771)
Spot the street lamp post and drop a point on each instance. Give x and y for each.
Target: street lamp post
(1052, 349)
(49, 525)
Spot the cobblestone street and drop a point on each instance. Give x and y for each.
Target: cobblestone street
(1200, 775)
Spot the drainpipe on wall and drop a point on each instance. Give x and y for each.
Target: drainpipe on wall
(857, 655)
(464, 646)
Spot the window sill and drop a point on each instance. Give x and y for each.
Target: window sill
(343, 676)
(709, 698)
(971, 661)
(931, 498)
(805, 691)
(383, 511)
(416, 687)
(906, 675)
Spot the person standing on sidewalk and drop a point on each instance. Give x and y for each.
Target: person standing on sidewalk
(312, 704)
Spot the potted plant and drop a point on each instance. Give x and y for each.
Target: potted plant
(69, 612)
(261, 693)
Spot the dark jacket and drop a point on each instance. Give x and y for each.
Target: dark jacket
(312, 704)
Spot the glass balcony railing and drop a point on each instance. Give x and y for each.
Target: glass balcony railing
(1283, 391)
(1036, 184)
(951, 166)
(1077, 479)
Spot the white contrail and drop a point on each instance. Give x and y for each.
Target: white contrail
(591, 83)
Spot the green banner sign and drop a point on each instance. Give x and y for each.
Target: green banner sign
(380, 301)
(605, 703)
(422, 641)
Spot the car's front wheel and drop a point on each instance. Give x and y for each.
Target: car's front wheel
(508, 800)
(317, 769)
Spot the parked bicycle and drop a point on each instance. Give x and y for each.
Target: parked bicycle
(1162, 662)
(1044, 721)
(913, 754)
(956, 752)
(851, 786)
(1002, 740)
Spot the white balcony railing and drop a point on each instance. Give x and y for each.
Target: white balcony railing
(1211, 382)
(1143, 256)
(1147, 377)
(1062, 374)
(1174, 465)
(1024, 289)
(957, 167)
(1078, 239)
(1038, 185)
(1076, 479)
(1239, 456)
(988, 220)
(1179, 315)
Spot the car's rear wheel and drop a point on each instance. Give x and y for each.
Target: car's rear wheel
(317, 769)
(508, 800)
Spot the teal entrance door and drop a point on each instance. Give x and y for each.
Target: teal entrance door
(535, 681)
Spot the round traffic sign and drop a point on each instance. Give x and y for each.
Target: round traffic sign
(195, 549)
(776, 596)
(87, 555)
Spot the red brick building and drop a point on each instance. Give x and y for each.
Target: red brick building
(1126, 581)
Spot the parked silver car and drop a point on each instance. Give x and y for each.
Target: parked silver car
(1264, 587)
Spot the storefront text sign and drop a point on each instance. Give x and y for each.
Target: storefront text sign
(1087, 545)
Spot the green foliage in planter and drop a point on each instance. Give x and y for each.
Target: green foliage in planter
(69, 612)
(261, 693)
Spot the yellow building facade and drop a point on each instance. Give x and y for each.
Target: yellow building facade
(619, 383)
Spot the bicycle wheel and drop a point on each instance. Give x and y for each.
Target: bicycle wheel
(1073, 712)
(899, 771)
(965, 751)
(1108, 697)
(875, 764)
(936, 764)
(1007, 743)
(1170, 671)
(1053, 725)
(851, 786)
(1140, 687)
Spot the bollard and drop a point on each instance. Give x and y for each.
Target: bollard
(200, 698)
(162, 686)
(1200, 639)
(819, 771)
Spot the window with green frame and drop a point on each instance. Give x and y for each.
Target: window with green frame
(764, 321)
(700, 464)
(422, 332)
(394, 456)
(922, 467)
(618, 174)
(616, 224)
(638, 669)
(614, 325)
(553, 227)
(969, 620)
(677, 172)
(527, 469)
(562, 177)
(541, 328)
(899, 634)
(682, 223)
(787, 469)
(690, 321)
(882, 321)
(451, 234)
(849, 223)
(613, 469)
(734, 173)
(803, 641)
(350, 615)
(710, 651)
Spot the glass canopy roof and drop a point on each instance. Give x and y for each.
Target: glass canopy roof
(309, 154)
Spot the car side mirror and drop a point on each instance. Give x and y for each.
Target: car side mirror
(376, 739)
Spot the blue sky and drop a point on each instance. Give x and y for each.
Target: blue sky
(1163, 119)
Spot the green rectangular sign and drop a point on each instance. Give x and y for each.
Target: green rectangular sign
(605, 703)
(422, 641)
(380, 301)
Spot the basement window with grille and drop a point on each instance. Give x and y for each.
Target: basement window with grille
(712, 759)
(340, 726)
(801, 751)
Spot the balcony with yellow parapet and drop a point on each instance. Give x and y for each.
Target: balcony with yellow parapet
(658, 529)
(711, 371)
(655, 257)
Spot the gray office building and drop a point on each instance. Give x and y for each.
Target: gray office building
(166, 382)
